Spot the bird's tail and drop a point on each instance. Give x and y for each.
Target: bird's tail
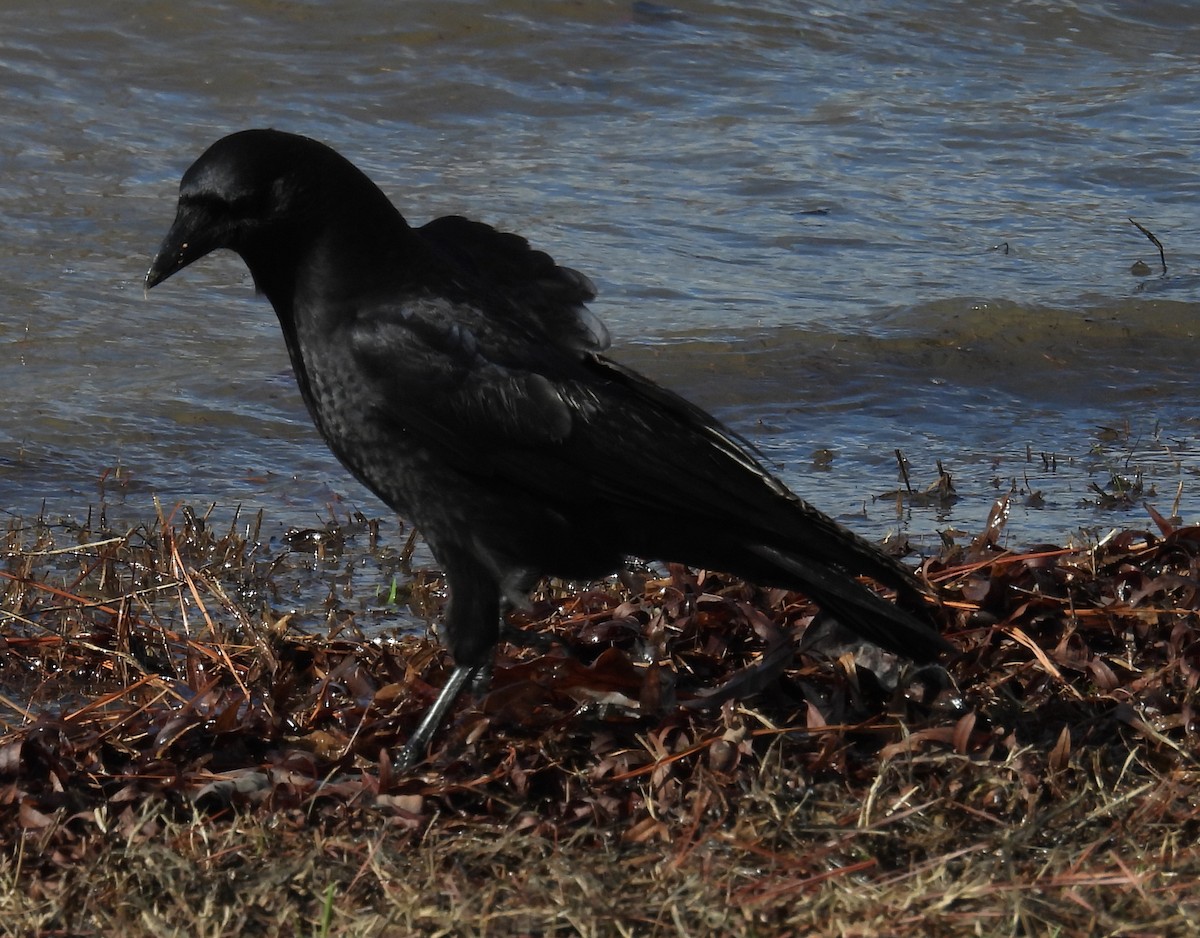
(861, 609)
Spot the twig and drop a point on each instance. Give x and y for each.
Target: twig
(1162, 255)
(903, 471)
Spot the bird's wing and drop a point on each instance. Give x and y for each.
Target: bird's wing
(443, 371)
(574, 427)
(590, 439)
(534, 293)
(496, 366)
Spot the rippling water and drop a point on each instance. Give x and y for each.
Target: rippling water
(846, 227)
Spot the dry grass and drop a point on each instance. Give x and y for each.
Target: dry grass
(177, 759)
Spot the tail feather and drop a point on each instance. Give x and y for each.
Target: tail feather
(861, 609)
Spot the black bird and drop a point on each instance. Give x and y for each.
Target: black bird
(457, 373)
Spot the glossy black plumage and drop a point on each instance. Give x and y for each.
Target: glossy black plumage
(457, 373)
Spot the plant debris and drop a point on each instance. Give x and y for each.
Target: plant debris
(1162, 254)
(689, 754)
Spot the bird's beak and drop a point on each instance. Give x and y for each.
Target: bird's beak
(190, 238)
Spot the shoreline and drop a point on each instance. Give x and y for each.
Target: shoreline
(683, 753)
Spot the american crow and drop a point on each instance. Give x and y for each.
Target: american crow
(456, 372)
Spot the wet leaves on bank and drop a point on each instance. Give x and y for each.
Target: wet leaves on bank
(144, 677)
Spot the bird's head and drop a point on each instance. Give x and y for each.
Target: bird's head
(256, 192)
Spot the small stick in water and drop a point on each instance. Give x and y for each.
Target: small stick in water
(1162, 255)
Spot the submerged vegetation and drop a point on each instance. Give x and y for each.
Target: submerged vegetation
(686, 755)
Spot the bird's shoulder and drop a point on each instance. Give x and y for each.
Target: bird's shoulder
(450, 370)
(518, 289)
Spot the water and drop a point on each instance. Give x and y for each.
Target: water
(854, 227)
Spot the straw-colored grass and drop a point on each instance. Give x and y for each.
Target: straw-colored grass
(177, 759)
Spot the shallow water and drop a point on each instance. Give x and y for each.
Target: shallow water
(854, 229)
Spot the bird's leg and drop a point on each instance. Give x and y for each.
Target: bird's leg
(414, 749)
(469, 630)
(481, 679)
(514, 590)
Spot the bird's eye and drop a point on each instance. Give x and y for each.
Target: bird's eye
(217, 205)
(244, 206)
